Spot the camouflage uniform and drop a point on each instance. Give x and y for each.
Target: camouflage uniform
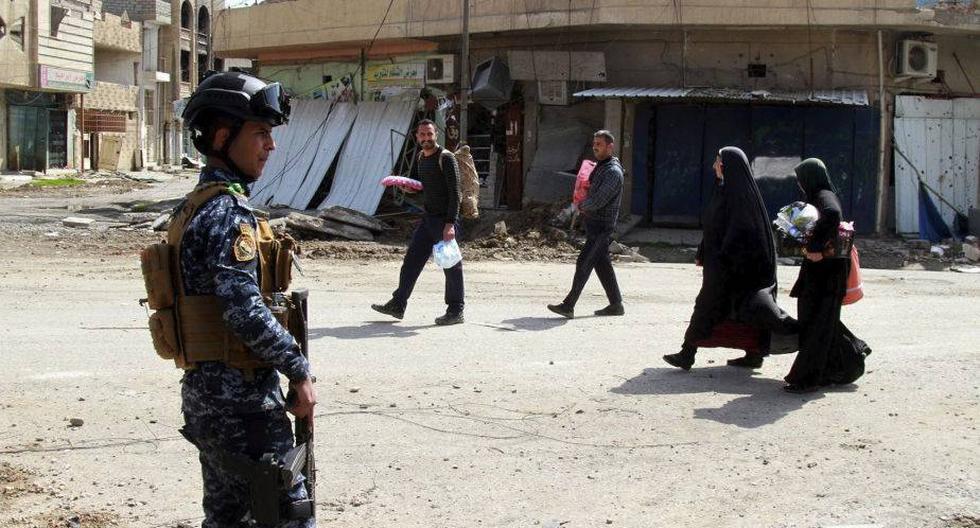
(222, 408)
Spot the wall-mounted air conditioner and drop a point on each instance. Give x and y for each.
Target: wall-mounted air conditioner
(439, 69)
(917, 58)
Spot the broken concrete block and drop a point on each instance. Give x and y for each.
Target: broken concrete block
(971, 252)
(500, 229)
(161, 223)
(75, 221)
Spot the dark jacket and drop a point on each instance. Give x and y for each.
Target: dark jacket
(601, 205)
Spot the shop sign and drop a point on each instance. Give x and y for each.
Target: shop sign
(69, 80)
(409, 74)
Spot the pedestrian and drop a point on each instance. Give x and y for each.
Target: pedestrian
(438, 171)
(824, 356)
(736, 306)
(600, 209)
(233, 346)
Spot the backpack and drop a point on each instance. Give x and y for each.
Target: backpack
(469, 180)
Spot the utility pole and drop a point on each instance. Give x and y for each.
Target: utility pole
(464, 72)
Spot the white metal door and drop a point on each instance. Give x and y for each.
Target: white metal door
(939, 141)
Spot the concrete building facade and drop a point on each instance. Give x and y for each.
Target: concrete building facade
(810, 69)
(176, 54)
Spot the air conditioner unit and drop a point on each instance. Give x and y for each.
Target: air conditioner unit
(917, 58)
(553, 92)
(439, 69)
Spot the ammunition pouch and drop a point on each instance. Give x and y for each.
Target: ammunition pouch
(189, 329)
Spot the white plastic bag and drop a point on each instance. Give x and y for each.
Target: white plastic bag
(446, 254)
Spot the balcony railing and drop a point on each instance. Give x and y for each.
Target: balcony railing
(203, 42)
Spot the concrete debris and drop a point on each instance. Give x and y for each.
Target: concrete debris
(625, 253)
(76, 422)
(161, 223)
(970, 249)
(965, 269)
(303, 223)
(189, 163)
(74, 221)
(919, 244)
(353, 218)
(500, 229)
(938, 251)
(10, 181)
(52, 234)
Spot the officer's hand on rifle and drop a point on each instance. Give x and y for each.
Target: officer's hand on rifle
(305, 398)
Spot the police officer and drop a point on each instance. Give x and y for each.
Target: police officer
(233, 405)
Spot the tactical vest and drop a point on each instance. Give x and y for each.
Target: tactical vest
(190, 329)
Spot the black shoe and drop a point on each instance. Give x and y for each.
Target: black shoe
(390, 308)
(683, 359)
(450, 319)
(563, 310)
(751, 361)
(800, 389)
(612, 309)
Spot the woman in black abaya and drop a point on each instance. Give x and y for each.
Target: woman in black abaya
(826, 347)
(738, 256)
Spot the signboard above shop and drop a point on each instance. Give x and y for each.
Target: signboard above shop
(51, 78)
(404, 74)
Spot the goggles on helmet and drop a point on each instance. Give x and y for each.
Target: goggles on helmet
(271, 102)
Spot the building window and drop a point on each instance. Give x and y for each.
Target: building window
(57, 15)
(186, 14)
(203, 21)
(202, 67)
(185, 66)
(17, 32)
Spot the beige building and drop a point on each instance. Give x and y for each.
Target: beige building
(111, 113)
(176, 53)
(783, 79)
(47, 60)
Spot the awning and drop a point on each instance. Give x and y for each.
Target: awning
(830, 97)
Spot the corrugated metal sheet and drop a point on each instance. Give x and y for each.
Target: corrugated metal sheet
(295, 149)
(338, 126)
(838, 97)
(941, 139)
(367, 155)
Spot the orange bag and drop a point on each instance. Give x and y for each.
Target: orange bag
(855, 288)
(582, 181)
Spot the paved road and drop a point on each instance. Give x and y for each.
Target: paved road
(514, 419)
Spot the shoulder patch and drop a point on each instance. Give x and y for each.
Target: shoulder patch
(246, 246)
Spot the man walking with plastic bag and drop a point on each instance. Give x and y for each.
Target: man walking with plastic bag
(601, 211)
(436, 168)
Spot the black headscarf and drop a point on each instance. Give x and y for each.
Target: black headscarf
(813, 177)
(748, 247)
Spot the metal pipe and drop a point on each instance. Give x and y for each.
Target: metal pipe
(880, 219)
(464, 72)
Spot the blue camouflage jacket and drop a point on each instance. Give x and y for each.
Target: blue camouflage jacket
(210, 266)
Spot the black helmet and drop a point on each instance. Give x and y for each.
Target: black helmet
(239, 96)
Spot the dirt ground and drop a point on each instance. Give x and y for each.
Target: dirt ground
(514, 419)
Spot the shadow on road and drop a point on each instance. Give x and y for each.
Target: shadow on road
(368, 330)
(761, 401)
(535, 324)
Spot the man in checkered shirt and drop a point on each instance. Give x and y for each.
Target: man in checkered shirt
(601, 212)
